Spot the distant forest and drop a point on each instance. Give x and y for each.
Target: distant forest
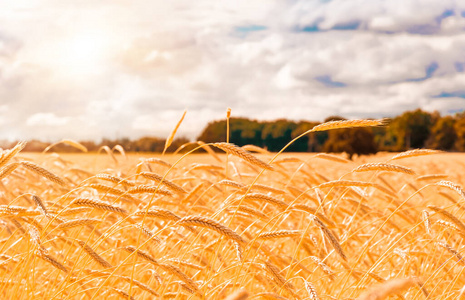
(412, 129)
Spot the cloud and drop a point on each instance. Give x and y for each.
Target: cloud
(265, 59)
(46, 119)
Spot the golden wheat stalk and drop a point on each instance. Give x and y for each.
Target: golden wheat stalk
(453, 186)
(426, 221)
(348, 124)
(324, 267)
(311, 291)
(239, 152)
(170, 138)
(51, 260)
(157, 178)
(140, 189)
(238, 295)
(67, 142)
(449, 216)
(432, 177)
(140, 285)
(114, 179)
(253, 148)
(11, 153)
(332, 157)
(34, 234)
(123, 294)
(231, 183)
(40, 205)
(142, 254)
(43, 172)
(98, 205)
(180, 275)
(266, 198)
(158, 212)
(79, 222)
(209, 223)
(97, 258)
(74, 211)
(275, 272)
(266, 188)
(112, 191)
(383, 167)
(314, 211)
(331, 237)
(249, 210)
(8, 169)
(279, 234)
(452, 251)
(158, 161)
(415, 152)
(388, 288)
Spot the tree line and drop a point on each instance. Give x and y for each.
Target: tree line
(412, 129)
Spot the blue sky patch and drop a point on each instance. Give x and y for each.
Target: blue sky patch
(429, 70)
(445, 14)
(459, 66)
(454, 94)
(352, 25)
(328, 81)
(310, 28)
(249, 28)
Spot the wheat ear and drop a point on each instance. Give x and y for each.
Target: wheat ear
(331, 237)
(43, 172)
(348, 124)
(279, 234)
(98, 205)
(238, 295)
(78, 222)
(209, 223)
(158, 212)
(149, 189)
(170, 138)
(51, 260)
(11, 153)
(123, 294)
(390, 287)
(311, 291)
(8, 169)
(157, 178)
(239, 152)
(97, 258)
(415, 152)
(449, 216)
(114, 179)
(453, 186)
(266, 198)
(383, 167)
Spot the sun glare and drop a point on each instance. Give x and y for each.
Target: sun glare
(83, 54)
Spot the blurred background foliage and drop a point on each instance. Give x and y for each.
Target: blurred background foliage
(411, 130)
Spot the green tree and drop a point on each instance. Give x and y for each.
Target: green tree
(242, 131)
(352, 140)
(312, 142)
(443, 134)
(460, 132)
(277, 134)
(409, 130)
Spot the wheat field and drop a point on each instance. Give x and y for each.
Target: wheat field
(232, 225)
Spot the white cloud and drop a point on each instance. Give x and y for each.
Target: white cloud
(153, 60)
(46, 119)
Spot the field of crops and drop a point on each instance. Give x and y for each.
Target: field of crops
(242, 225)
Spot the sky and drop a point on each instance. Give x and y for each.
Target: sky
(86, 69)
